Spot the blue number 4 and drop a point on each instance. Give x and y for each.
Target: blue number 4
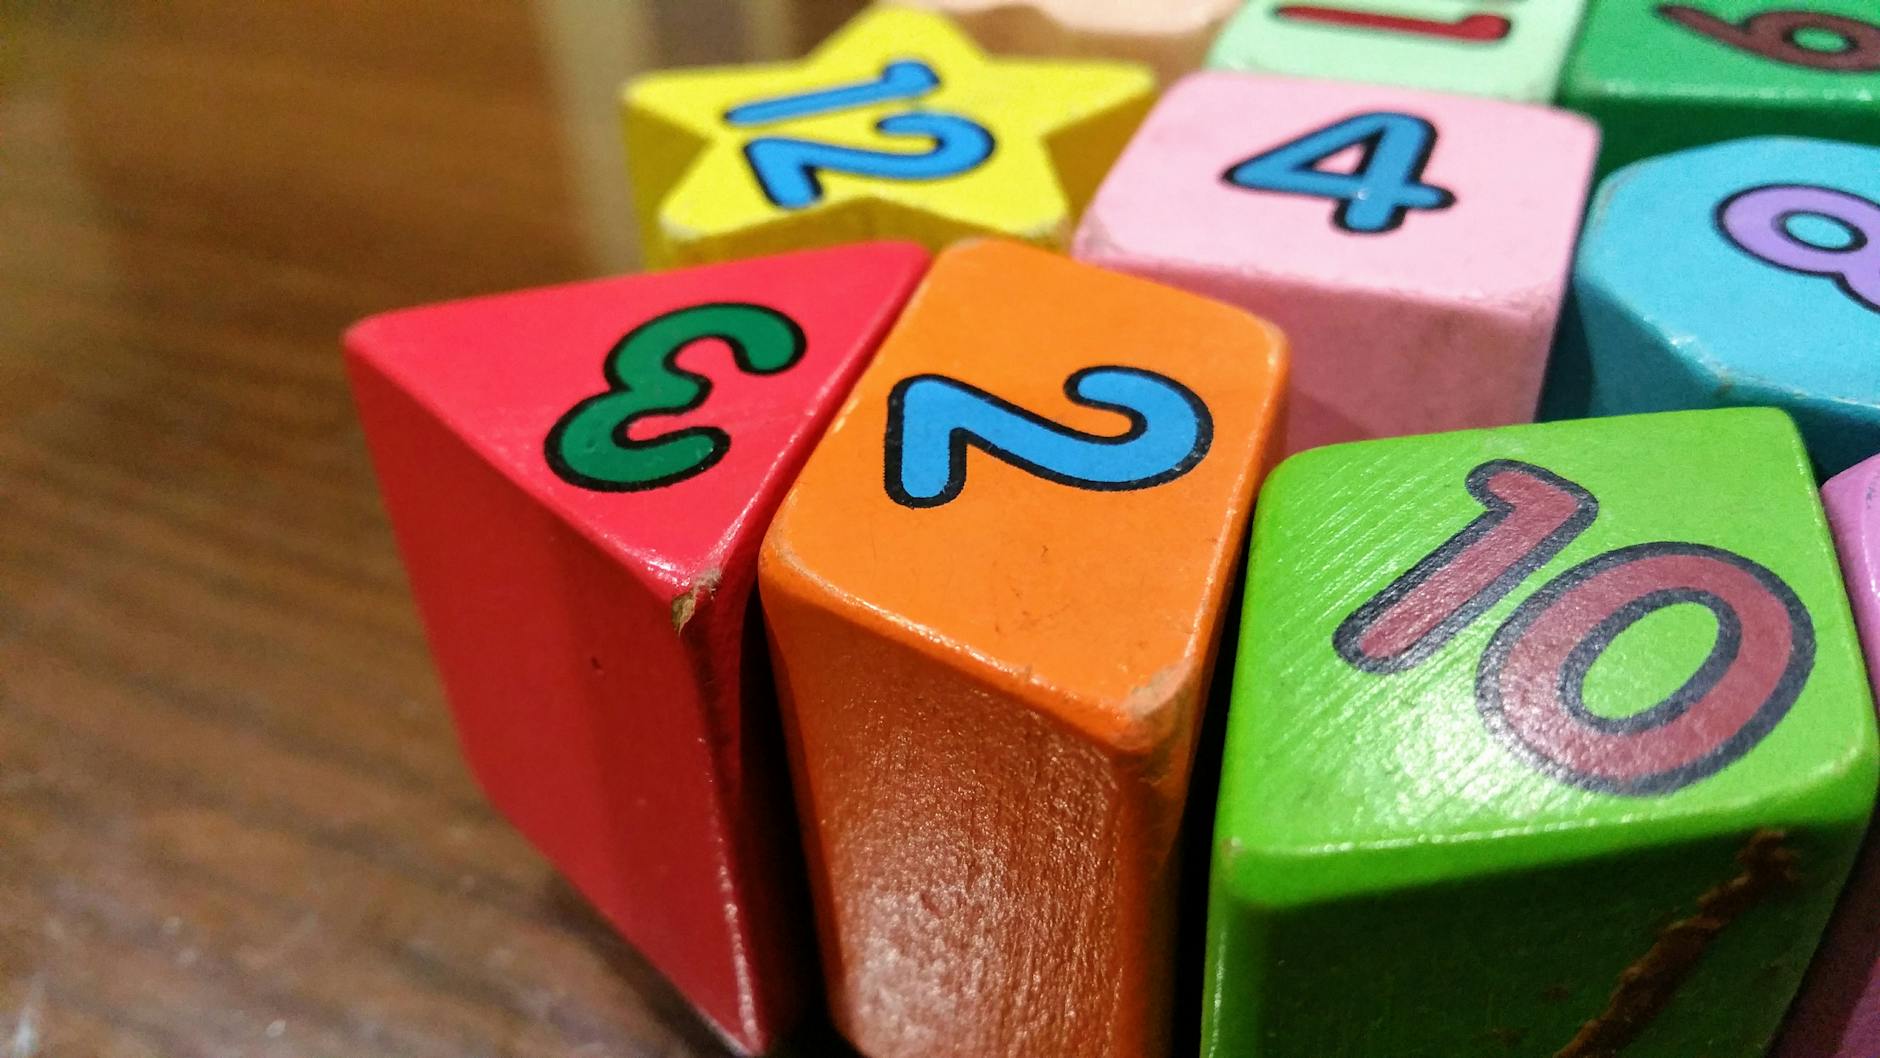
(1375, 196)
(787, 168)
(932, 419)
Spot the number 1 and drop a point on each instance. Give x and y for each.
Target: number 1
(1474, 29)
(1530, 515)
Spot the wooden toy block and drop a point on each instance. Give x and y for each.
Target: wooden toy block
(579, 478)
(897, 127)
(1661, 77)
(1538, 745)
(1414, 247)
(1506, 49)
(1743, 273)
(994, 598)
(1171, 36)
(1837, 1014)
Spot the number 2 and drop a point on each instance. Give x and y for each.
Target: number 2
(1387, 184)
(589, 445)
(787, 168)
(1776, 35)
(932, 419)
(1531, 677)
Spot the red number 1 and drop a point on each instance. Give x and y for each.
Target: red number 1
(1530, 514)
(1476, 29)
(1530, 683)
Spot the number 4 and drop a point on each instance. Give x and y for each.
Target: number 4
(1375, 196)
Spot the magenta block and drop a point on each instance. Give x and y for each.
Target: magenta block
(1837, 1012)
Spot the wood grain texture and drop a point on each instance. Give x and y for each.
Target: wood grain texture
(993, 657)
(232, 814)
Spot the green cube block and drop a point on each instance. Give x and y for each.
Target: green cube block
(1660, 77)
(1545, 740)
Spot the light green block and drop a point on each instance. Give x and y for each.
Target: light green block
(1433, 854)
(1504, 50)
(1657, 83)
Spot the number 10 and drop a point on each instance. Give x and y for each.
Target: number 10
(1531, 678)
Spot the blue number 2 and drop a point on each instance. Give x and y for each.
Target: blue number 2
(933, 418)
(1387, 183)
(787, 168)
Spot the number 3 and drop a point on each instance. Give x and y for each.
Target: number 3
(932, 419)
(1531, 678)
(589, 446)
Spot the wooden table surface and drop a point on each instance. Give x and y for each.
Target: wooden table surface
(233, 819)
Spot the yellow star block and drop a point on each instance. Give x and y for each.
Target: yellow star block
(898, 126)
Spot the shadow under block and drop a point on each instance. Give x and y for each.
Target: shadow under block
(1171, 36)
(1537, 746)
(1744, 273)
(1419, 291)
(579, 478)
(896, 127)
(1660, 77)
(995, 596)
(1506, 49)
(1837, 1014)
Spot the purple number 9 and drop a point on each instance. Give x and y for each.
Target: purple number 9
(1758, 222)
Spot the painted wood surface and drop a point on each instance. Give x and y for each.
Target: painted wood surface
(1742, 273)
(1172, 36)
(579, 478)
(995, 596)
(1540, 717)
(1661, 77)
(1414, 247)
(1837, 1014)
(898, 126)
(1505, 49)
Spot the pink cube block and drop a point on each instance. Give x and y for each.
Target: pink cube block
(1837, 1013)
(1414, 246)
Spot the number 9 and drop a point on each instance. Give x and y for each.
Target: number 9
(1757, 221)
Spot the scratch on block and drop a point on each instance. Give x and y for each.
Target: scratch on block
(686, 604)
(1647, 987)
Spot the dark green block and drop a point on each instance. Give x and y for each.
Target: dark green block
(1656, 84)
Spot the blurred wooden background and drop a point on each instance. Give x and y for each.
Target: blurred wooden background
(233, 820)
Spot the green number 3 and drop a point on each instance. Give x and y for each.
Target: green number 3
(589, 445)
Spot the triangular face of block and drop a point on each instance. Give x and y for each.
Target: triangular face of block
(654, 413)
(579, 478)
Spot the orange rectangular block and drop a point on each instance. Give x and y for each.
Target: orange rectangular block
(994, 598)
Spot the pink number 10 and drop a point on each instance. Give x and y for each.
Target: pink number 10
(1532, 674)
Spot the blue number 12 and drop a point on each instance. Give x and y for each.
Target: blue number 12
(787, 168)
(932, 419)
(1374, 197)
